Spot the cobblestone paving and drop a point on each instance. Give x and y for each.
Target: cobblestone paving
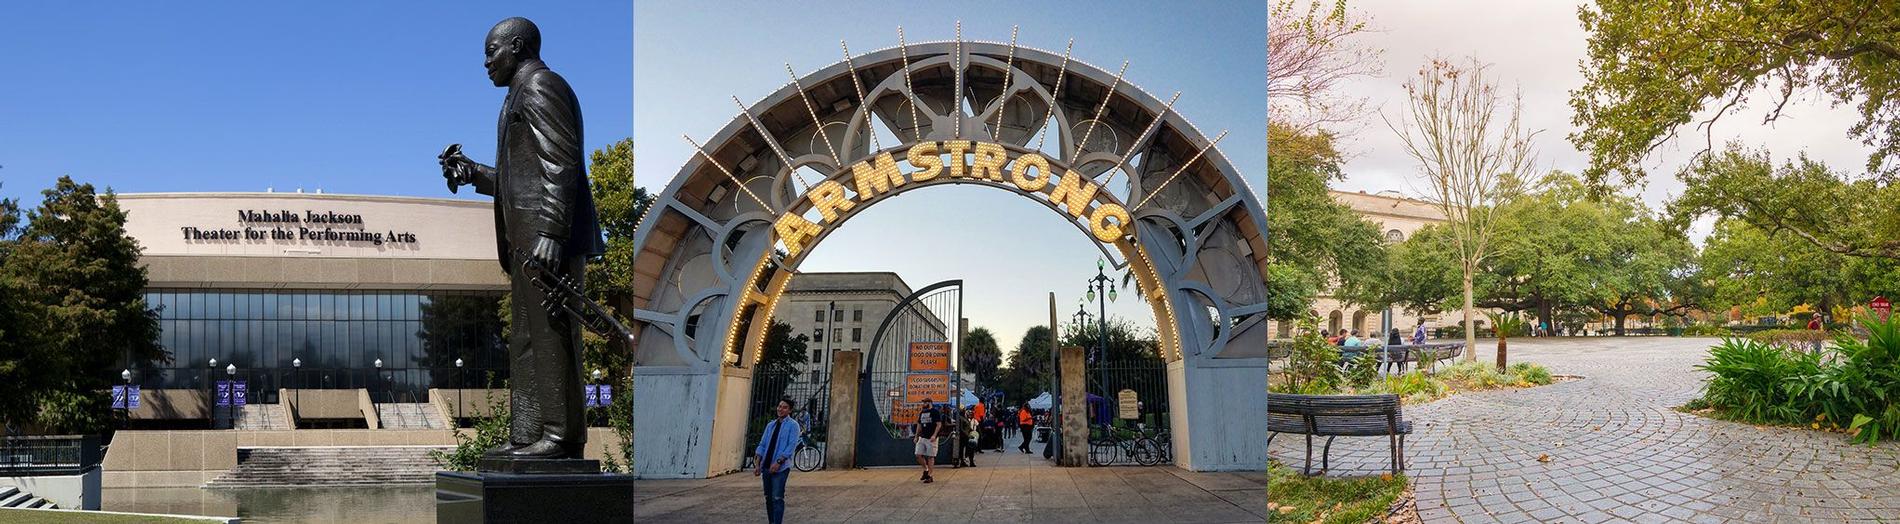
(1618, 449)
(1007, 487)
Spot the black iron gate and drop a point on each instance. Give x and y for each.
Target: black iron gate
(810, 392)
(1128, 413)
(930, 314)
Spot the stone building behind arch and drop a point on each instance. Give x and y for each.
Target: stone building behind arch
(1397, 217)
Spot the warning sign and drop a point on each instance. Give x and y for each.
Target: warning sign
(930, 356)
(1129, 404)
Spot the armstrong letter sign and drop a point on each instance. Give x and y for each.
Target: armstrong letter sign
(975, 162)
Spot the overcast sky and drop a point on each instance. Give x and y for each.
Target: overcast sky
(1539, 46)
(692, 58)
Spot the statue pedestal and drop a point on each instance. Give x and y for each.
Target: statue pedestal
(568, 498)
(536, 466)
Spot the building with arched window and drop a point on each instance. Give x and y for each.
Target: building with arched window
(1399, 217)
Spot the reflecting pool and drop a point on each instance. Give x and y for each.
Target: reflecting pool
(287, 505)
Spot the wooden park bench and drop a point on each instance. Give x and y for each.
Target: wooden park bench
(1334, 416)
(1396, 358)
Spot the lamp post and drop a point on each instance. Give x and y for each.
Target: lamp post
(379, 374)
(230, 373)
(210, 389)
(596, 375)
(126, 375)
(1105, 285)
(296, 368)
(458, 392)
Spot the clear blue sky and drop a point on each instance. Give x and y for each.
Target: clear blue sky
(352, 97)
(692, 58)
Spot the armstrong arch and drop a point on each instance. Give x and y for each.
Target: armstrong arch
(1154, 193)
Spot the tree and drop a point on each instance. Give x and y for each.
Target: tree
(1554, 248)
(1310, 56)
(1028, 374)
(1653, 68)
(1423, 271)
(1756, 272)
(1473, 161)
(1318, 242)
(610, 278)
(781, 353)
(1801, 197)
(24, 358)
(1648, 262)
(1504, 325)
(1290, 291)
(981, 356)
(74, 273)
(1125, 343)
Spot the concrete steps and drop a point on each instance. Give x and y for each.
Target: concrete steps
(420, 415)
(258, 417)
(330, 466)
(12, 497)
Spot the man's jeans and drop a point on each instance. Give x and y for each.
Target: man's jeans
(775, 494)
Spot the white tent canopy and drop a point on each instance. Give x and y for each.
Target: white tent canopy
(1042, 401)
(965, 398)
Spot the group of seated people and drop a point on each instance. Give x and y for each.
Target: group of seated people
(1351, 339)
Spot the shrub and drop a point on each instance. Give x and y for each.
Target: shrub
(1531, 373)
(490, 431)
(1312, 365)
(1868, 378)
(1414, 387)
(1362, 370)
(1795, 339)
(1751, 379)
(1706, 330)
(1476, 375)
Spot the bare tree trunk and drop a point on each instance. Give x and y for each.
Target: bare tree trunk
(1471, 335)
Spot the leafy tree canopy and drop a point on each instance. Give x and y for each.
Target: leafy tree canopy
(75, 301)
(1313, 233)
(1652, 67)
(981, 356)
(1762, 273)
(1800, 198)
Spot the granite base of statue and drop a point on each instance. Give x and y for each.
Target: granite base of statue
(545, 228)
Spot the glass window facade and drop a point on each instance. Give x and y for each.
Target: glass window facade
(338, 336)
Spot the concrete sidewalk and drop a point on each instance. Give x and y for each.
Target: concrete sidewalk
(1005, 487)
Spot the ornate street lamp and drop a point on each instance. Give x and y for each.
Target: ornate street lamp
(230, 395)
(211, 402)
(296, 368)
(1103, 283)
(458, 392)
(126, 375)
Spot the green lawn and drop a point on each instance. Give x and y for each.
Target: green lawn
(1330, 500)
(27, 516)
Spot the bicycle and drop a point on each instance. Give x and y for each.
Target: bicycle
(1111, 448)
(808, 457)
(1158, 443)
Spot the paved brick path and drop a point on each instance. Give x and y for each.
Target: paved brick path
(1619, 451)
(1012, 487)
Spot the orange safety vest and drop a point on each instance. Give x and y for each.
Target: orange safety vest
(1025, 418)
(979, 411)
